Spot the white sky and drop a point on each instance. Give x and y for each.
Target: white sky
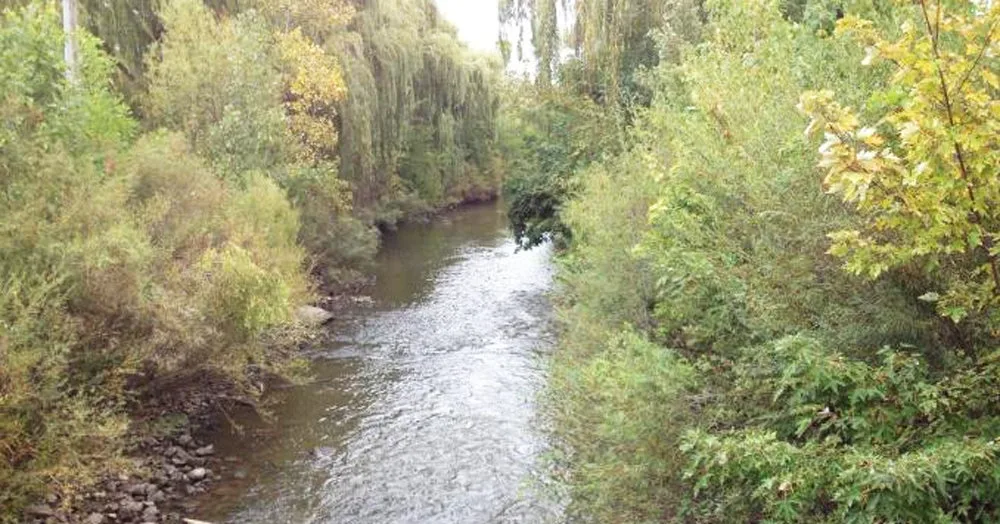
(478, 26)
(476, 21)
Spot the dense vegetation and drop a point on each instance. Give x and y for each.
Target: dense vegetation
(170, 201)
(780, 274)
(779, 300)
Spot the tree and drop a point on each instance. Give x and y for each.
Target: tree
(69, 9)
(924, 178)
(611, 40)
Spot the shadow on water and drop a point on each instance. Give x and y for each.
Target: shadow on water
(423, 408)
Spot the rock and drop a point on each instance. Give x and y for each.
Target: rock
(157, 497)
(205, 451)
(130, 509)
(313, 316)
(197, 474)
(95, 518)
(185, 440)
(40, 511)
(136, 490)
(150, 513)
(180, 458)
(240, 474)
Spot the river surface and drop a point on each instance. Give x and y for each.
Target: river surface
(423, 409)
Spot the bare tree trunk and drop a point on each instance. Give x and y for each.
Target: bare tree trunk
(70, 51)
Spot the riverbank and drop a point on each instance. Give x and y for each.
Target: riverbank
(171, 422)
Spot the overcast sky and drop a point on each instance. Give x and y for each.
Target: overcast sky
(479, 27)
(476, 21)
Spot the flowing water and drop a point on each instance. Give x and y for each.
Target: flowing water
(424, 407)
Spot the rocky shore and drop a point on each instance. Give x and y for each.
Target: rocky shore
(170, 470)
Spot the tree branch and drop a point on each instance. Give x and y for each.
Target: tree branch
(979, 57)
(977, 218)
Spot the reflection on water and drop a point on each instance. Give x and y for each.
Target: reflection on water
(424, 407)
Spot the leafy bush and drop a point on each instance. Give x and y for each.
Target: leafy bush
(63, 232)
(546, 137)
(790, 390)
(923, 178)
(48, 437)
(831, 438)
(613, 390)
(217, 82)
(117, 257)
(624, 418)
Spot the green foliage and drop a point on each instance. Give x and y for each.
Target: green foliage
(841, 440)
(117, 256)
(924, 178)
(614, 394)
(418, 125)
(215, 81)
(226, 267)
(546, 136)
(57, 239)
(623, 437)
(246, 298)
(45, 438)
(785, 389)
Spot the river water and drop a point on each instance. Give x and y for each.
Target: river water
(423, 409)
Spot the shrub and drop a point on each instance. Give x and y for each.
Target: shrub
(622, 412)
(546, 136)
(116, 257)
(64, 234)
(830, 438)
(217, 81)
(227, 265)
(613, 391)
(789, 390)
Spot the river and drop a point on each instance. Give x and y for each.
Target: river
(423, 409)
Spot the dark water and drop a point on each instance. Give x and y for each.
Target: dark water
(424, 408)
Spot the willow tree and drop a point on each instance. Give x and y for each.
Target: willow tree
(418, 123)
(541, 17)
(609, 40)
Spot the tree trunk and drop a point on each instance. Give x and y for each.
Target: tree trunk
(70, 52)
